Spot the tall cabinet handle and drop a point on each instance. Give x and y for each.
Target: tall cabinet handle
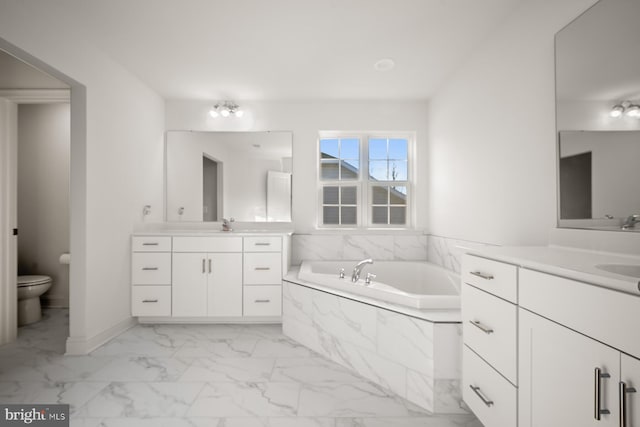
(203, 265)
(209, 266)
(597, 398)
(623, 402)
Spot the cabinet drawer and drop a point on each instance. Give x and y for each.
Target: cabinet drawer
(491, 397)
(151, 300)
(495, 277)
(263, 244)
(151, 268)
(490, 329)
(151, 244)
(262, 301)
(262, 268)
(606, 315)
(207, 244)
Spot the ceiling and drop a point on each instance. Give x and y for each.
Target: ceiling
(286, 49)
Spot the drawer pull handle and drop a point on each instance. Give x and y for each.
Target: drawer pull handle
(263, 244)
(262, 268)
(482, 397)
(481, 275)
(149, 300)
(487, 330)
(623, 402)
(262, 300)
(149, 268)
(150, 244)
(597, 378)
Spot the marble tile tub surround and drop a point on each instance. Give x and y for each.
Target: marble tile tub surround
(401, 246)
(197, 376)
(447, 252)
(414, 358)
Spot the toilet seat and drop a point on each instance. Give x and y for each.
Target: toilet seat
(32, 280)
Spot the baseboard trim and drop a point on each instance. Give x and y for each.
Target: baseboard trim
(211, 320)
(55, 302)
(79, 346)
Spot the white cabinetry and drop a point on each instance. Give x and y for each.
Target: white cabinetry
(263, 266)
(151, 276)
(207, 283)
(489, 316)
(573, 367)
(223, 277)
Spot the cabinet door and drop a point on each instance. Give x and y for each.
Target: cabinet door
(629, 390)
(225, 284)
(557, 376)
(189, 290)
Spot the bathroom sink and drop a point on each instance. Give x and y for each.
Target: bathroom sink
(631, 270)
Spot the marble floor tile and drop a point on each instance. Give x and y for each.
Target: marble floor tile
(242, 369)
(198, 376)
(312, 370)
(352, 400)
(246, 400)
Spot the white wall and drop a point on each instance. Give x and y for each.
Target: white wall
(114, 174)
(43, 195)
(8, 221)
(492, 157)
(305, 119)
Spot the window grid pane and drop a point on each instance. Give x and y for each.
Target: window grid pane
(388, 204)
(339, 159)
(340, 205)
(388, 159)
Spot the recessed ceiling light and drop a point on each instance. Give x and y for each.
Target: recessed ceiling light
(385, 64)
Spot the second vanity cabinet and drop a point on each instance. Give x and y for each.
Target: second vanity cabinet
(544, 350)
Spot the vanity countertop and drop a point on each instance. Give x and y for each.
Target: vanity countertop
(572, 263)
(213, 232)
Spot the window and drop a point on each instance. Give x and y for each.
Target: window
(364, 180)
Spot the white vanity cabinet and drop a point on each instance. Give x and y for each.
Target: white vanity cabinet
(541, 350)
(575, 341)
(207, 276)
(221, 277)
(489, 316)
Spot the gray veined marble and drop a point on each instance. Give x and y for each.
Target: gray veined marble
(209, 375)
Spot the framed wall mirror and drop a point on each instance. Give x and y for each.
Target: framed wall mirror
(241, 175)
(598, 125)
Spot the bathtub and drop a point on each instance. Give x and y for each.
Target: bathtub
(414, 284)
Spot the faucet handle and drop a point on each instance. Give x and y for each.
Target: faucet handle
(341, 273)
(370, 276)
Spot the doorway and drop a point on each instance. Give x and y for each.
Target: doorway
(38, 83)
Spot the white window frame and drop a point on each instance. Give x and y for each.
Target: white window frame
(363, 184)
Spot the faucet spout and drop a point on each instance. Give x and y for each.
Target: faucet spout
(631, 221)
(358, 269)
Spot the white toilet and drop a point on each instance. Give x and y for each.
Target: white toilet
(29, 290)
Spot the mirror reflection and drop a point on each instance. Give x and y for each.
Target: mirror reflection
(598, 125)
(241, 175)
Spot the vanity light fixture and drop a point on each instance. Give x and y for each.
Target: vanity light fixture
(625, 108)
(226, 109)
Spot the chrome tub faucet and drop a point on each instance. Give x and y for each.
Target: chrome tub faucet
(358, 269)
(631, 221)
